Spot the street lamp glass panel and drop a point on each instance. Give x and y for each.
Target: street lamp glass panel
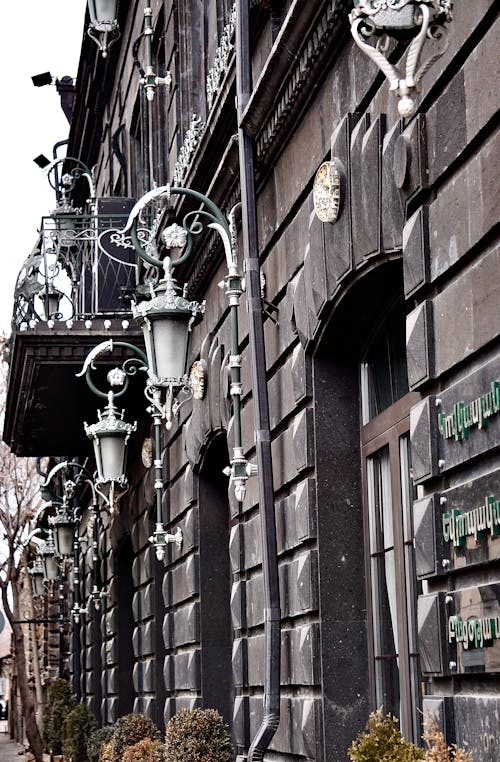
(38, 586)
(167, 345)
(51, 301)
(103, 11)
(63, 539)
(50, 567)
(110, 457)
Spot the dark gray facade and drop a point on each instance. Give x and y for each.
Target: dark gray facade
(386, 490)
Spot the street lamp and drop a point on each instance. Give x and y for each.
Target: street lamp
(415, 20)
(64, 524)
(37, 574)
(110, 436)
(103, 27)
(47, 551)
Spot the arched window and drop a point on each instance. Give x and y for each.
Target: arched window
(388, 507)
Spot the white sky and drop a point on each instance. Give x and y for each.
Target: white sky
(37, 36)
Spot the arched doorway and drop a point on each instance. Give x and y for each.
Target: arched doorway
(364, 502)
(215, 581)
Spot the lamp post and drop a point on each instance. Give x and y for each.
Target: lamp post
(414, 20)
(120, 377)
(103, 27)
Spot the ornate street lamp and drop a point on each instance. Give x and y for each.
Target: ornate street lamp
(47, 551)
(110, 436)
(103, 27)
(51, 300)
(64, 524)
(37, 575)
(415, 20)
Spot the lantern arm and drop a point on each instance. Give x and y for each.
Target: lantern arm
(391, 72)
(117, 376)
(81, 170)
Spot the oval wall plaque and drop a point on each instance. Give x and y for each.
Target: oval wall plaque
(327, 191)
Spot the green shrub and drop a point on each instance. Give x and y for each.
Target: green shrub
(128, 730)
(382, 742)
(59, 704)
(77, 727)
(146, 751)
(198, 735)
(95, 740)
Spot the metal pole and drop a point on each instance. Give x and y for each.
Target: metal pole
(271, 718)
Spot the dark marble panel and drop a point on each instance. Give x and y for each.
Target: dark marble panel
(420, 345)
(426, 535)
(469, 416)
(416, 252)
(477, 720)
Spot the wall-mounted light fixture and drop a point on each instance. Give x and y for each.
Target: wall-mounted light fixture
(120, 377)
(103, 27)
(401, 20)
(149, 79)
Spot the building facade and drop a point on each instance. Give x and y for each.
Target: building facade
(382, 370)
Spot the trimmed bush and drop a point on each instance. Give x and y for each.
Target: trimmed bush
(59, 704)
(77, 727)
(437, 748)
(95, 740)
(128, 730)
(198, 735)
(382, 742)
(146, 751)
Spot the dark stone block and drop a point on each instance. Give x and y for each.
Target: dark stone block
(239, 662)
(256, 649)
(337, 237)
(238, 605)
(185, 580)
(420, 345)
(315, 264)
(423, 437)
(431, 634)
(186, 625)
(392, 200)
(300, 311)
(410, 159)
(416, 252)
(241, 721)
(447, 127)
(357, 193)
(301, 374)
(187, 670)
(252, 543)
(168, 629)
(303, 440)
(368, 236)
(424, 519)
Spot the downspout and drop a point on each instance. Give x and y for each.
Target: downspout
(272, 618)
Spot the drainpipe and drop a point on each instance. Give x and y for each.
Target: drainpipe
(272, 618)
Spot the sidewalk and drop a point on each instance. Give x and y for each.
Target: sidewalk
(9, 750)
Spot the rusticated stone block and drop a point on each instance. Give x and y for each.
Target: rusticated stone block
(239, 661)
(235, 548)
(238, 605)
(187, 670)
(356, 187)
(300, 311)
(168, 629)
(416, 252)
(337, 237)
(252, 548)
(143, 566)
(301, 368)
(314, 263)
(431, 634)
(254, 601)
(256, 660)
(296, 516)
(241, 721)
(423, 437)
(410, 159)
(298, 583)
(369, 235)
(186, 624)
(420, 345)
(185, 580)
(425, 536)
(391, 202)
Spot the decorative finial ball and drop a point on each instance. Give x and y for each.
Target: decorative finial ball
(406, 106)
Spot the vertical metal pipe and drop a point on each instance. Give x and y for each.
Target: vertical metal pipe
(271, 718)
(76, 622)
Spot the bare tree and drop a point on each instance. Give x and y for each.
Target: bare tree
(19, 502)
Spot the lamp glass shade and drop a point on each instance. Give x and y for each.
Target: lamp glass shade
(37, 582)
(167, 344)
(50, 567)
(51, 300)
(64, 538)
(110, 453)
(103, 11)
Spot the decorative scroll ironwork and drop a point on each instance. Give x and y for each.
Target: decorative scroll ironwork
(193, 137)
(223, 53)
(72, 251)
